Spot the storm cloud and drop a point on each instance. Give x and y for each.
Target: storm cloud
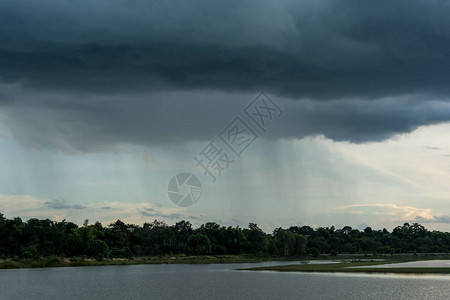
(61, 204)
(88, 75)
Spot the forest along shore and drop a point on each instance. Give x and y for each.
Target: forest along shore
(43, 243)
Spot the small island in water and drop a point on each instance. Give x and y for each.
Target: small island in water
(46, 243)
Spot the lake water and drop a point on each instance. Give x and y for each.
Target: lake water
(219, 281)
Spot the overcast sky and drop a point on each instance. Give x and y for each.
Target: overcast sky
(103, 101)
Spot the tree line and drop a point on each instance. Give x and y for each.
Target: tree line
(37, 238)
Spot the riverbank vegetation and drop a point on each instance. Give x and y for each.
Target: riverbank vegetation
(54, 261)
(355, 267)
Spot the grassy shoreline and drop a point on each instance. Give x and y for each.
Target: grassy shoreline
(78, 262)
(347, 267)
(49, 262)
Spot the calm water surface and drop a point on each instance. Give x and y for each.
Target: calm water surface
(212, 282)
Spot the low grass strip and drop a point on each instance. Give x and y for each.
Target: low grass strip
(347, 267)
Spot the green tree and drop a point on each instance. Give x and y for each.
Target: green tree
(199, 244)
(99, 248)
(285, 241)
(256, 239)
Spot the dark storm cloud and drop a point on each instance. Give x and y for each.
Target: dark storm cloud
(61, 204)
(88, 123)
(150, 212)
(435, 219)
(95, 123)
(84, 75)
(359, 121)
(334, 49)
